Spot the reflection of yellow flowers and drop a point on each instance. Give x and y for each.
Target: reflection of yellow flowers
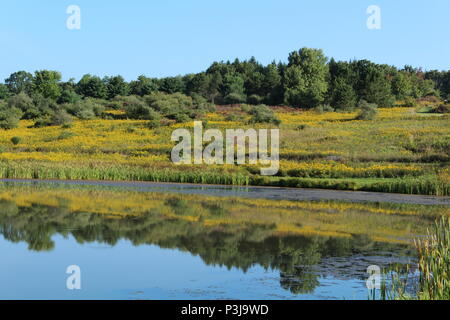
(382, 222)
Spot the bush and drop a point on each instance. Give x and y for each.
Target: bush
(24, 103)
(170, 104)
(234, 98)
(60, 118)
(234, 117)
(153, 124)
(86, 109)
(135, 108)
(9, 118)
(442, 108)
(68, 96)
(57, 118)
(263, 114)
(201, 105)
(323, 108)
(410, 102)
(16, 140)
(368, 111)
(180, 117)
(254, 99)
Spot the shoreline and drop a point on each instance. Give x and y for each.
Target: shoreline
(257, 192)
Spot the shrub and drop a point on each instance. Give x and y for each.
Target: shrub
(169, 104)
(42, 122)
(442, 108)
(137, 109)
(42, 107)
(68, 96)
(60, 118)
(410, 102)
(57, 118)
(368, 111)
(67, 125)
(86, 109)
(234, 117)
(201, 105)
(246, 108)
(16, 140)
(263, 114)
(153, 124)
(9, 118)
(24, 103)
(254, 99)
(234, 98)
(180, 117)
(323, 108)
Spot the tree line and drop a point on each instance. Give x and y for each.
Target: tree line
(307, 80)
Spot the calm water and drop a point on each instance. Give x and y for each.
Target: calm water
(156, 242)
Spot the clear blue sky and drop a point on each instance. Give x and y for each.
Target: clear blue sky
(170, 37)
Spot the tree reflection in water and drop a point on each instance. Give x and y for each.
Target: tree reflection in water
(225, 244)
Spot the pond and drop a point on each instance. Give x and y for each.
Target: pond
(173, 241)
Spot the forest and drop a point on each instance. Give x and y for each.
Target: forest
(308, 80)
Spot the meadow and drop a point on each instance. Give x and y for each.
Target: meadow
(402, 150)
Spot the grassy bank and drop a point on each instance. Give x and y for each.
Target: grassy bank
(401, 151)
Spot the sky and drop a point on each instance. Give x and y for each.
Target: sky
(160, 38)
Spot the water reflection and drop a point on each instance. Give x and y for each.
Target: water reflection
(296, 238)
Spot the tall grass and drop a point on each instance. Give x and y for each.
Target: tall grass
(433, 282)
(94, 171)
(117, 173)
(434, 262)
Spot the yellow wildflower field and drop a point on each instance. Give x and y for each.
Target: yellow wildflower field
(397, 151)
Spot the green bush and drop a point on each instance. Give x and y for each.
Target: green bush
(24, 103)
(16, 140)
(176, 106)
(442, 108)
(254, 99)
(60, 118)
(323, 108)
(9, 117)
(234, 98)
(135, 108)
(263, 114)
(368, 111)
(410, 102)
(57, 118)
(86, 109)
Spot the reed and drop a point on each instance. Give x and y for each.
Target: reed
(433, 268)
(434, 262)
(427, 185)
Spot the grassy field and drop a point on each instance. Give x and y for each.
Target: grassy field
(401, 151)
